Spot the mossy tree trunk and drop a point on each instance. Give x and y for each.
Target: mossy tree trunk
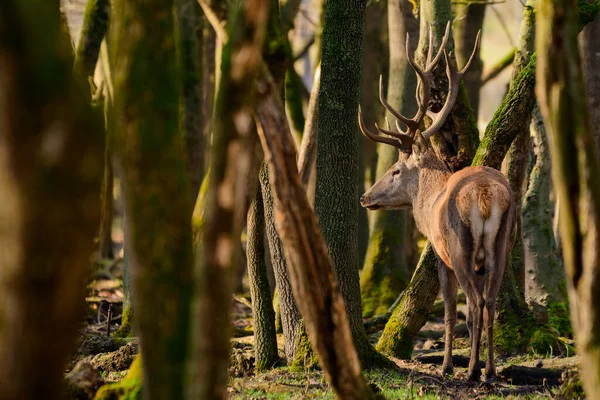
(375, 61)
(311, 269)
(93, 30)
(336, 193)
(51, 164)
(468, 21)
(576, 174)
(517, 158)
(386, 270)
(150, 149)
(188, 17)
(226, 197)
(265, 341)
(545, 283)
(590, 51)
(455, 145)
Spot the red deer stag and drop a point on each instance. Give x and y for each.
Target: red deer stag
(469, 216)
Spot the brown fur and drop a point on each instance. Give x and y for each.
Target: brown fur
(469, 216)
(485, 202)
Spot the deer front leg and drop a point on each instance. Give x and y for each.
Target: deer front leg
(477, 307)
(449, 287)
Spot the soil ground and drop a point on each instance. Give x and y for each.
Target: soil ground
(541, 376)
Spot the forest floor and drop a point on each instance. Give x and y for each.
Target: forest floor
(106, 358)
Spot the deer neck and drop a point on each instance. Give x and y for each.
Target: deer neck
(432, 182)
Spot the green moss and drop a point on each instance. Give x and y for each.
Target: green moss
(305, 357)
(399, 344)
(379, 286)
(126, 328)
(524, 334)
(293, 98)
(130, 388)
(560, 318)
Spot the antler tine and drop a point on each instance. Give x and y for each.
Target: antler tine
(398, 135)
(407, 121)
(376, 137)
(430, 48)
(439, 118)
(430, 65)
(454, 77)
(475, 48)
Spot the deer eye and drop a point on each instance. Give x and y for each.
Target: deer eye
(395, 172)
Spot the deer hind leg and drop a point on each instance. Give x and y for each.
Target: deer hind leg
(449, 288)
(471, 285)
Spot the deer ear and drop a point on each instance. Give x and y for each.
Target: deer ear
(419, 146)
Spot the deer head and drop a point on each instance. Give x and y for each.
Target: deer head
(398, 186)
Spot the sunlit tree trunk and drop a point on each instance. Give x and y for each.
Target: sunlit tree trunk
(575, 173)
(517, 158)
(265, 341)
(386, 270)
(545, 283)
(51, 164)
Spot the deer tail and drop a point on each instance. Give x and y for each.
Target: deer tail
(484, 201)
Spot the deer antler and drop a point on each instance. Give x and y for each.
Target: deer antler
(404, 139)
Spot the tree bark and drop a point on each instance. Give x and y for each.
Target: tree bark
(336, 194)
(290, 316)
(545, 280)
(93, 30)
(386, 270)
(517, 158)
(265, 340)
(105, 244)
(590, 51)
(468, 22)
(311, 268)
(191, 125)
(150, 150)
(226, 197)
(576, 177)
(51, 165)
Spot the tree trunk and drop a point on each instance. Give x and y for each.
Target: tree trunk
(561, 92)
(386, 270)
(105, 244)
(590, 46)
(51, 165)
(93, 30)
(412, 310)
(517, 158)
(311, 269)
(375, 63)
(336, 194)
(469, 20)
(545, 280)
(265, 341)
(290, 316)
(188, 17)
(227, 197)
(150, 148)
